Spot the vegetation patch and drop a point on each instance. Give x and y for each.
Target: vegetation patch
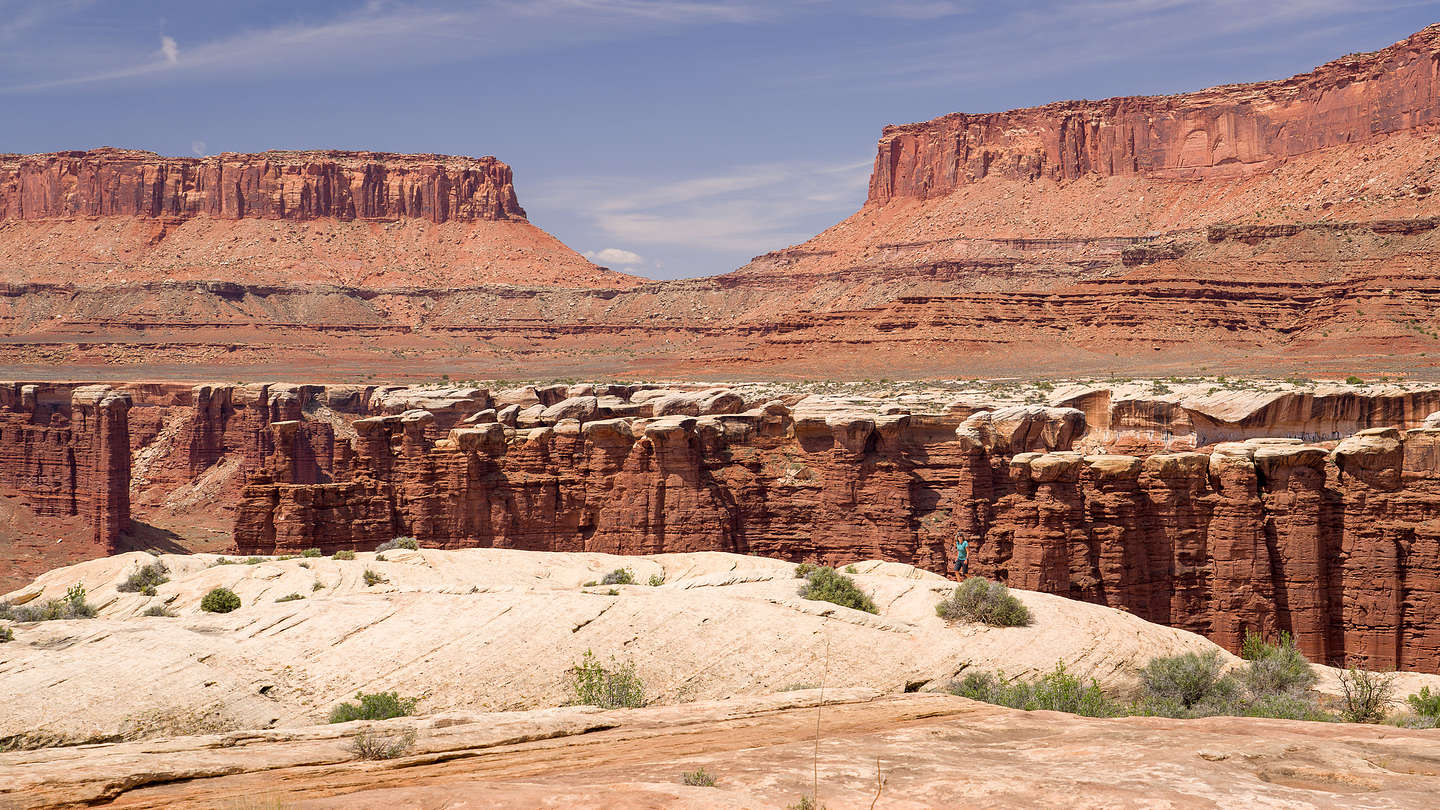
(145, 579)
(399, 542)
(620, 576)
(290, 597)
(615, 686)
(372, 744)
(1058, 691)
(372, 578)
(979, 600)
(73, 606)
(220, 600)
(825, 584)
(698, 778)
(6, 635)
(374, 706)
(159, 610)
(311, 552)
(343, 554)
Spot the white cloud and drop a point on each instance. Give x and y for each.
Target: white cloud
(198, 147)
(169, 51)
(611, 257)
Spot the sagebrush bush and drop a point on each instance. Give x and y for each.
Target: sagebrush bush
(1365, 697)
(399, 542)
(372, 744)
(311, 552)
(374, 706)
(616, 686)
(979, 600)
(290, 597)
(6, 634)
(220, 600)
(1057, 690)
(1184, 680)
(1276, 669)
(803, 570)
(343, 554)
(825, 584)
(373, 578)
(145, 579)
(159, 610)
(73, 606)
(620, 576)
(656, 580)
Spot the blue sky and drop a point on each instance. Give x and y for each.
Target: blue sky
(667, 138)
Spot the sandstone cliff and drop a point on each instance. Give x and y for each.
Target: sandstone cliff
(111, 217)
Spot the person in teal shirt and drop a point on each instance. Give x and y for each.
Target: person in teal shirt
(962, 557)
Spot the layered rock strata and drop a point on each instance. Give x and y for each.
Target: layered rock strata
(66, 451)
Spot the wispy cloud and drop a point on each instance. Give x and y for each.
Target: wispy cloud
(169, 50)
(751, 209)
(611, 257)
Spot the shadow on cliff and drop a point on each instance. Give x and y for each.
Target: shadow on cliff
(145, 537)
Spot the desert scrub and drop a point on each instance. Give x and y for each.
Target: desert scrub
(979, 600)
(804, 570)
(1182, 685)
(825, 584)
(656, 580)
(6, 635)
(399, 542)
(620, 576)
(372, 578)
(220, 600)
(616, 686)
(698, 778)
(311, 552)
(1275, 682)
(159, 610)
(374, 706)
(1425, 702)
(343, 554)
(1275, 669)
(290, 597)
(1365, 697)
(1057, 691)
(73, 606)
(372, 744)
(145, 579)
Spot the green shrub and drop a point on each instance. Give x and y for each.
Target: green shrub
(254, 560)
(609, 687)
(979, 600)
(159, 610)
(343, 554)
(145, 579)
(290, 597)
(850, 569)
(1425, 703)
(399, 542)
(372, 578)
(698, 778)
(223, 561)
(1183, 680)
(825, 584)
(1276, 669)
(620, 576)
(1057, 691)
(6, 635)
(1365, 697)
(1353, 380)
(374, 706)
(656, 580)
(220, 600)
(592, 583)
(311, 552)
(1291, 706)
(317, 587)
(73, 606)
(372, 744)
(804, 570)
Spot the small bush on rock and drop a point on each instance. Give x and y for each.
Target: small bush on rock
(1182, 681)
(609, 687)
(698, 778)
(979, 600)
(290, 597)
(145, 579)
(1275, 669)
(656, 580)
(1365, 697)
(399, 542)
(620, 576)
(825, 584)
(375, 706)
(1425, 703)
(311, 552)
(344, 554)
(373, 744)
(159, 610)
(6, 635)
(804, 569)
(73, 606)
(220, 600)
(372, 578)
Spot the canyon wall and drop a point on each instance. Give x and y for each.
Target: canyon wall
(66, 451)
(1339, 545)
(267, 185)
(1216, 132)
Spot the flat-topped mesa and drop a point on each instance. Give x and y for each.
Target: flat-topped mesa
(275, 185)
(1222, 131)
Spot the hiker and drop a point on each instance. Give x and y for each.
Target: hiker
(962, 557)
